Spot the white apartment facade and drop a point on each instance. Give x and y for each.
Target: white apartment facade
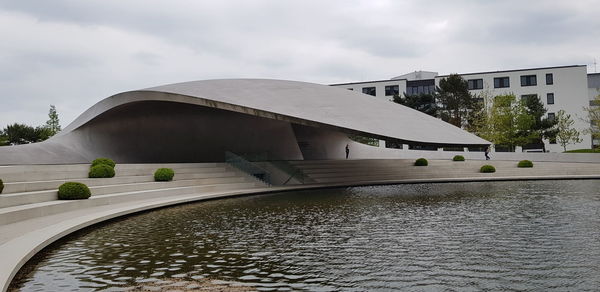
(559, 88)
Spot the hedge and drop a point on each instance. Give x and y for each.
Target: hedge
(106, 161)
(1, 186)
(73, 191)
(421, 162)
(525, 163)
(101, 170)
(487, 168)
(164, 174)
(458, 158)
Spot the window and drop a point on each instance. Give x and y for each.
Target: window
(350, 88)
(416, 90)
(369, 91)
(475, 84)
(528, 80)
(549, 79)
(551, 116)
(416, 87)
(501, 82)
(392, 90)
(550, 98)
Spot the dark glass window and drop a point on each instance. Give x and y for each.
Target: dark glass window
(528, 80)
(550, 98)
(475, 84)
(416, 90)
(551, 116)
(549, 79)
(392, 90)
(350, 88)
(415, 87)
(501, 82)
(369, 91)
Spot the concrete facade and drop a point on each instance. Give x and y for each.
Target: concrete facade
(569, 91)
(198, 121)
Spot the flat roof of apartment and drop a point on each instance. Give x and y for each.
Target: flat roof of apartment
(472, 73)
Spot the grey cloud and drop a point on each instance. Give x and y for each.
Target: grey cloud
(74, 53)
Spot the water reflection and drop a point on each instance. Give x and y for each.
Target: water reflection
(468, 236)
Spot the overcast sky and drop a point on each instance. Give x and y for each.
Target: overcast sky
(73, 53)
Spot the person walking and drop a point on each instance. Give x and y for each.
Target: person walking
(487, 153)
(347, 151)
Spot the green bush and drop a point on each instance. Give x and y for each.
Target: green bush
(164, 174)
(105, 161)
(73, 191)
(421, 162)
(525, 163)
(458, 158)
(1, 186)
(487, 168)
(101, 170)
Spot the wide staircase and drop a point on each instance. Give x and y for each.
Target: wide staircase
(31, 191)
(381, 170)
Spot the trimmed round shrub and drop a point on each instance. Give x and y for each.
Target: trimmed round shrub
(1, 186)
(421, 162)
(487, 169)
(105, 161)
(101, 170)
(73, 191)
(525, 163)
(458, 158)
(164, 174)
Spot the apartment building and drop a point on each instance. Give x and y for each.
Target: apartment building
(559, 88)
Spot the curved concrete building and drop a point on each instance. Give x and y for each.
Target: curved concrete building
(199, 121)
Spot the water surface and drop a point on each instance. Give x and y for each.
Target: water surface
(508, 236)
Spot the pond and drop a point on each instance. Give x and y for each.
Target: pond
(530, 235)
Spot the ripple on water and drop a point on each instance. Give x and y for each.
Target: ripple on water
(469, 237)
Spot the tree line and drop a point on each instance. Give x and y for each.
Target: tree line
(504, 120)
(15, 134)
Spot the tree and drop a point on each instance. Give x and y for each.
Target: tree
(53, 123)
(422, 102)
(504, 122)
(542, 128)
(455, 99)
(16, 134)
(593, 118)
(565, 133)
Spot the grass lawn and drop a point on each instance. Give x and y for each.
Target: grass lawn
(597, 150)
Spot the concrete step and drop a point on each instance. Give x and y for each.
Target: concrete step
(52, 194)
(16, 187)
(77, 171)
(29, 211)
